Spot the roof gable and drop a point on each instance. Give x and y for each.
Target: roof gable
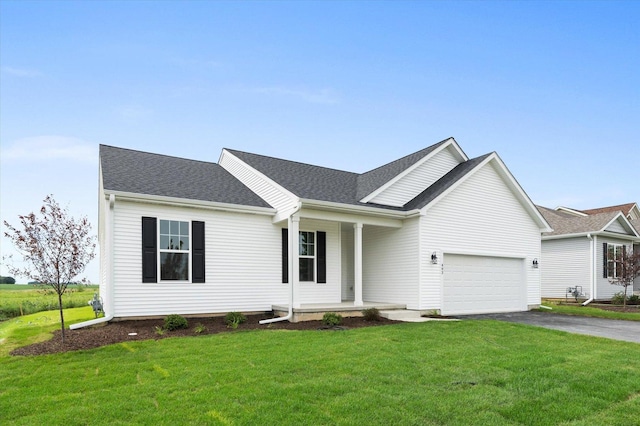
(136, 172)
(374, 181)
(410, 182)
(464, 171)
(566, 224)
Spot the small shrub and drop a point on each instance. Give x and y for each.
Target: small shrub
(159, 330)
(234, 319)
(331, 319)
(618, 298)
(199, 328)
(371, 314)
(633, 299)
(175, 322)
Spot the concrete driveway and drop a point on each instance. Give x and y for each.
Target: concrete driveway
(612, 329)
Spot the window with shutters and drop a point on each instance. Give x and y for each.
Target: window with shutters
(172, 250)
(307, 255)
(614, 256)
(312, 256)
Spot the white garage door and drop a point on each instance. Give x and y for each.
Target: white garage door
(478, 284)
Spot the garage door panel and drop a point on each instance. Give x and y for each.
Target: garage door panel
(482, 284)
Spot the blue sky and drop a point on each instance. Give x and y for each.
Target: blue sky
(553, 87)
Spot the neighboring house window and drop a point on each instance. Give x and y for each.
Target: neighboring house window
(613, 255)
(312, 254)
(174, 250)
(176, 247)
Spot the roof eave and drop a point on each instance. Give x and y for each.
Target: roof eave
(187, 202)
(354, 209)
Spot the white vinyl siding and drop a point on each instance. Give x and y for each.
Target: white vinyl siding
(482, 217)
(565, 263)
(274, 195)
(417, 180)
(390, 264)
(617, 227)
(242, 256)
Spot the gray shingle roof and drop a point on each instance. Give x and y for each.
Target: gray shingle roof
(139, 172)
(566, 223)
(374, 179)
(305, 180)
(126, 170)
(325, 184)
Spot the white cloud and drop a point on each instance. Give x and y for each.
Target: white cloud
(21, 72)
(322, 96)
(47, 148)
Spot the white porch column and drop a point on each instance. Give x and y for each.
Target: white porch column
(294, 262)
(357, 264)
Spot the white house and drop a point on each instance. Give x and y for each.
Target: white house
(434, 230)
(583, 246)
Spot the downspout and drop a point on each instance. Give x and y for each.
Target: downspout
(591, 274)
(110, 290)
(292, 238)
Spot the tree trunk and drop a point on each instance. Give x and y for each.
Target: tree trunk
(61, 315)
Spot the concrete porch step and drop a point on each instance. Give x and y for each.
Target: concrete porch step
(403, 315)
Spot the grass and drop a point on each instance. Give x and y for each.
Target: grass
(37, 327)
(434, 373)
(588, 311)
(17, 300)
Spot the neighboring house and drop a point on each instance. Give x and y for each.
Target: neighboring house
(434, 230)
(583, 246)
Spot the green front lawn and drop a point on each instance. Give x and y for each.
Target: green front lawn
(591, 311)
(433, 373)
(38, 327)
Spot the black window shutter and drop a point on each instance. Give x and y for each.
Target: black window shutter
(623, 263)
(605, 265)
(285, 255)
(322, 257)
(149, 250)
(197, 252)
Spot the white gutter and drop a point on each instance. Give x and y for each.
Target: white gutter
(108, 316)
(291, 239)
(591, 274)
(351, 208)
(182, 202)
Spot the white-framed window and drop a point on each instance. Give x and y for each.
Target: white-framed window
(614, 255)
(307, 255)
(174, 250)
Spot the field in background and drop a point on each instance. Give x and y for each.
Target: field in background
(17, 300)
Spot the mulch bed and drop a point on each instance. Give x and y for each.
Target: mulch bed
(129, 331)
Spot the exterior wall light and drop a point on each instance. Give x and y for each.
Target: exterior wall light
(434, 258)
(535, 263)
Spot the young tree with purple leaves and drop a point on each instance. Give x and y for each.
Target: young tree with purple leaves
(55, 248)
(627, 267)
